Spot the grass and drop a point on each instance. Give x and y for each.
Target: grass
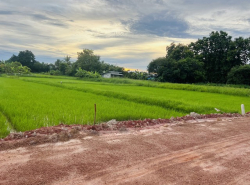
(30, 105)
(5, 129)
(37, 101)
(179, 100)
(236, 90)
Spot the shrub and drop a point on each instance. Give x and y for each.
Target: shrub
(239, 75)
(55, 72)
(86, 74)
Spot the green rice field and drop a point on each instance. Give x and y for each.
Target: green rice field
(32, 102)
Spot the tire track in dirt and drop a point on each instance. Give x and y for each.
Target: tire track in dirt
(185, 153)
(195, 157)
(243, 179)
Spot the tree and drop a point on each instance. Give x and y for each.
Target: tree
(69, 68)
(57, 63)
(179, 66)
(178, 52)
(88, 61)
(27, 58)
(63, 67)
(14, 68)
(13, 58)
(220, 53)
(40, 67)
(239, 53)
(183, 71)
(156, 64)
(2, 66)
(239, 75)
(67, 60)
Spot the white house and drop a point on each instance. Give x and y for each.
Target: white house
(112, 74)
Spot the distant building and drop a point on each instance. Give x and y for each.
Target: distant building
(112, 74)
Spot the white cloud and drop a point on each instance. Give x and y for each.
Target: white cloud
(118, 30)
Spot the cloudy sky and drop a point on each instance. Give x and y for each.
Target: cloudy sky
(126, 33)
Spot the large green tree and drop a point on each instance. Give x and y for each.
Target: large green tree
(27, 58)
(178, 51)
(156, 64)
(179, 66)
(88, 61)
(57, 63)
(65, 66)
(239, 53)
(188, 70)
(220, 53)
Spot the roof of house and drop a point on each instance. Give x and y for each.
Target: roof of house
(114, 73)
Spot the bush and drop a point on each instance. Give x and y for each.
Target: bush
(86, 74)
(55, 72)
(239, 75)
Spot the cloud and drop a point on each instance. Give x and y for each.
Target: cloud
(40, 17)
(10, 24)
(4, 12)
(129, 62)
(163, 25)
(124, 32)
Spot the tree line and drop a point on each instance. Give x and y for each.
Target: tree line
(15, 68)
(86, 61)
(87, 65)
(214, 59)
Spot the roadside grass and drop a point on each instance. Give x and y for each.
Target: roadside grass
(179, 100)
(31, 105)
(4, 130)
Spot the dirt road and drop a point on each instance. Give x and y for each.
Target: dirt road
(214, 151)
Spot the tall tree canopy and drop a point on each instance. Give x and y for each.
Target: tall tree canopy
(179, 66)
(208, 59)
(27, 58)
(88, 61)
(220, 53)
(156, 64)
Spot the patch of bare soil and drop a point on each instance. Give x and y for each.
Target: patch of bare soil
(190, 150)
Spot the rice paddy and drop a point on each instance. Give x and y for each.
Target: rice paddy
(4, 127)
(32, 102)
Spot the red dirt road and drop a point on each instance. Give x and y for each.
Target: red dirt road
(215, 151)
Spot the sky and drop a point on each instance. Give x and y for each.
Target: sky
(125, 33)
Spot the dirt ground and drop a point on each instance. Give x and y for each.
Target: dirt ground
(200, 151)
